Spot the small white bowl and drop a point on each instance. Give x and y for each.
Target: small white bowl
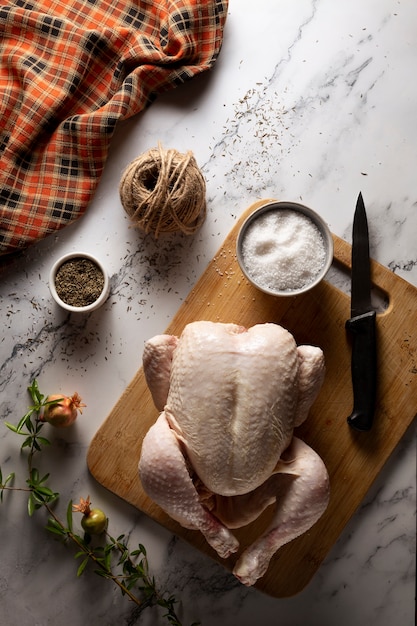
(248, 271)
(69, 307)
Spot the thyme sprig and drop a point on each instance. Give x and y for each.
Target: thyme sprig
(111, 559)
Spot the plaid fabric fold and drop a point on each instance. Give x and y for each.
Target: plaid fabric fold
(69, 71)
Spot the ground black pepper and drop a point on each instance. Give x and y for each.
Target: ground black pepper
(79, 282)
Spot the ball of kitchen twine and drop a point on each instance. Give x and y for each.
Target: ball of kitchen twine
(164, 191)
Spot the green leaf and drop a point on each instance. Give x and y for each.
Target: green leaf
(109, 547)
(82, 566)
(9, 478)
(29, 424)
(56, 401)
(12, 427)
(45, 491)
(80, 540)
(132, 582)
(141, 569)
(55, 523)
(107, 561)
(69, 515)
(123, 556)
(44, 441)
(80, 553)
(53, 527)
(34, 475)
(38, 499)
(31, 505)
(103, 573)
(24, 419)
(36, 395)
(43, 479)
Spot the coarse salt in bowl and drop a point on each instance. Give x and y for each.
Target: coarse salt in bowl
(78, 296)
(284, 248)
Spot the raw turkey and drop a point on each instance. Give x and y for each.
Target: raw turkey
(222, 448)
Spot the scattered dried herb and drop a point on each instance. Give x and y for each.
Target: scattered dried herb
(79, 282)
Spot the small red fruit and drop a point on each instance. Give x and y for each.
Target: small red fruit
(62, 410)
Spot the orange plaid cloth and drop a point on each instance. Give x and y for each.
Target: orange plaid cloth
(69, 70)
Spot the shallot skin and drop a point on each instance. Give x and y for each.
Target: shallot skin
(62, 410)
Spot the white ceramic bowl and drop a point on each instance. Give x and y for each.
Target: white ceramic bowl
(69, 307)
(273, 241)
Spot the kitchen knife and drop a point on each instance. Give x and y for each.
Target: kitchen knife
(362, 326)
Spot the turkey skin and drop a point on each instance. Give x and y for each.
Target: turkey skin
(222, 448)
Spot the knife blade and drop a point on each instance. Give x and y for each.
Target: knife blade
(362, 326)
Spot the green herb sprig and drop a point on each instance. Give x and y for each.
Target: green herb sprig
(112, 559)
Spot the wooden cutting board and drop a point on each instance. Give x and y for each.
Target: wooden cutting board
(353, 459)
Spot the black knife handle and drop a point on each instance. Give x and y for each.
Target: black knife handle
(363, 330)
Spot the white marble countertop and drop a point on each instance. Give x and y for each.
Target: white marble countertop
(309, 101)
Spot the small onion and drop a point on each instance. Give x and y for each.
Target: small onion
(63, 410)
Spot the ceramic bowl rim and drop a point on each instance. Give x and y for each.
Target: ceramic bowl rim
(79, 309)
(300, 208)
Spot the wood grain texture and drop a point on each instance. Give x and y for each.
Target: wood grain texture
(353, 459)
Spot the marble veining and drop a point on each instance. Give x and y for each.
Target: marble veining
(309, 101)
